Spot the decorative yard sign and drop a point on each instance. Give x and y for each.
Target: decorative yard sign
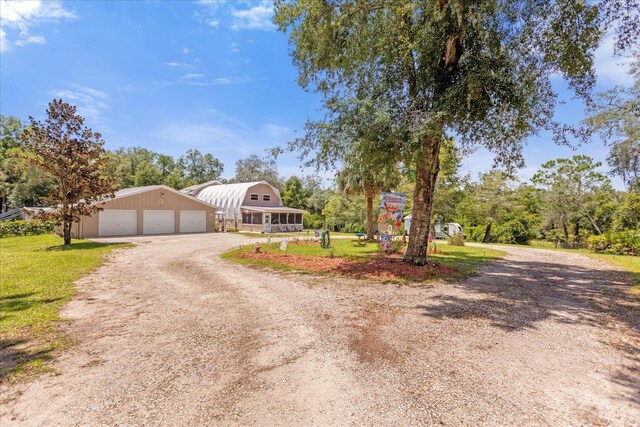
(391, 210)
(283, 244)
(386, 241)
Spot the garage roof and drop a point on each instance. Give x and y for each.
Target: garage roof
(132, 191)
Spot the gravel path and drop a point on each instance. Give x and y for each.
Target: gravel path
(169, 334)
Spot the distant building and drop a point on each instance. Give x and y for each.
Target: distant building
(249, 206)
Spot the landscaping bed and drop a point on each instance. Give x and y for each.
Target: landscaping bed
(364, 260)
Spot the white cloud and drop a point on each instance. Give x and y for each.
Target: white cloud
(610, 69)
(31, 40)
(91, 103)
(186, 50)
(275, 131)
(212, 3)
(4, 43)
(218, 81)
(192, 76)
(215, 137)
(235, 47)
(176, 64)
(213, 23)
(22, 16)
(255, 18)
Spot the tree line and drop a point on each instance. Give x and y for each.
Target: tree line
(23, 183)
(566, 201)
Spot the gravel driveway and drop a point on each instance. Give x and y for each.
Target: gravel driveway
(169, 334)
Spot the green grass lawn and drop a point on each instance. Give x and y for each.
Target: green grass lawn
(463, 258)
(300, 234)
(36, 279)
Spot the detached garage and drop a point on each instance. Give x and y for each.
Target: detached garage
(155, 209)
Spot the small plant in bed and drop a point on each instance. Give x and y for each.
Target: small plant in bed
(365, 262)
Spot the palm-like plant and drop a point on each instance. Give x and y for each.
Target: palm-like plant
(367, 175)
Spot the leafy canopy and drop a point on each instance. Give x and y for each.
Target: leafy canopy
(479, 69)
(74, 157)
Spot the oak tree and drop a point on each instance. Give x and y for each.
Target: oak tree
(615, 115)
(478, 70)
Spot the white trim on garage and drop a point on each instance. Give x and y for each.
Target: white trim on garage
(158, 221)
(117, 222)
(193, 221)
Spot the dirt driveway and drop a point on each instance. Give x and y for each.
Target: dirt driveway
(169, 334)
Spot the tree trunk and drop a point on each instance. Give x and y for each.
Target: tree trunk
(370, 223)
(565, 229)
(487, 233)
(427, 168)
(67, 223)
(66, 231)
(593, 223)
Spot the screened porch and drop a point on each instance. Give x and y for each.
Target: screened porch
(272, 219)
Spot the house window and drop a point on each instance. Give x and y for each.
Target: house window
(266, 197)
(254, 196)
(257, 218)
(298, 218)
(246, 217)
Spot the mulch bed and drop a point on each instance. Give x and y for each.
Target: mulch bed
(381, 267)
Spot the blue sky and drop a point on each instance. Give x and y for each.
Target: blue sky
(169, 76)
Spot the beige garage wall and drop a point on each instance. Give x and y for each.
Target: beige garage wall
(147, 200)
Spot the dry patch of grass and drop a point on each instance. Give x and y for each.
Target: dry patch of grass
(36, 279)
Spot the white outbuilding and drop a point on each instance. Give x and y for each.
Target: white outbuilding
(249, 206)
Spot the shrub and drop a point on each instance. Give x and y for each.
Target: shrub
(354, 228)
(26, 227)
(456, 240)
(620, 243)
(312, 221)
(556, 236)
(475, 233)
(516, 230)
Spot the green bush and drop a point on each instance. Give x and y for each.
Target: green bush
(354, 228)
(556, 236)
(620, 243)
(456, 240)
(516, 230)
(26, 228)
(312, 221)
(475, 233)
(627, 217)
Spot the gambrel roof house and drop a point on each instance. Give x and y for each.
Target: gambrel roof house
(251, 206)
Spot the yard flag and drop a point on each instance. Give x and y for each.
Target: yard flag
(283, 244)
(391, 210)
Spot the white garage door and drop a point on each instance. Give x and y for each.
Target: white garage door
(193, 221)
(113, 222)
(158, 222)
